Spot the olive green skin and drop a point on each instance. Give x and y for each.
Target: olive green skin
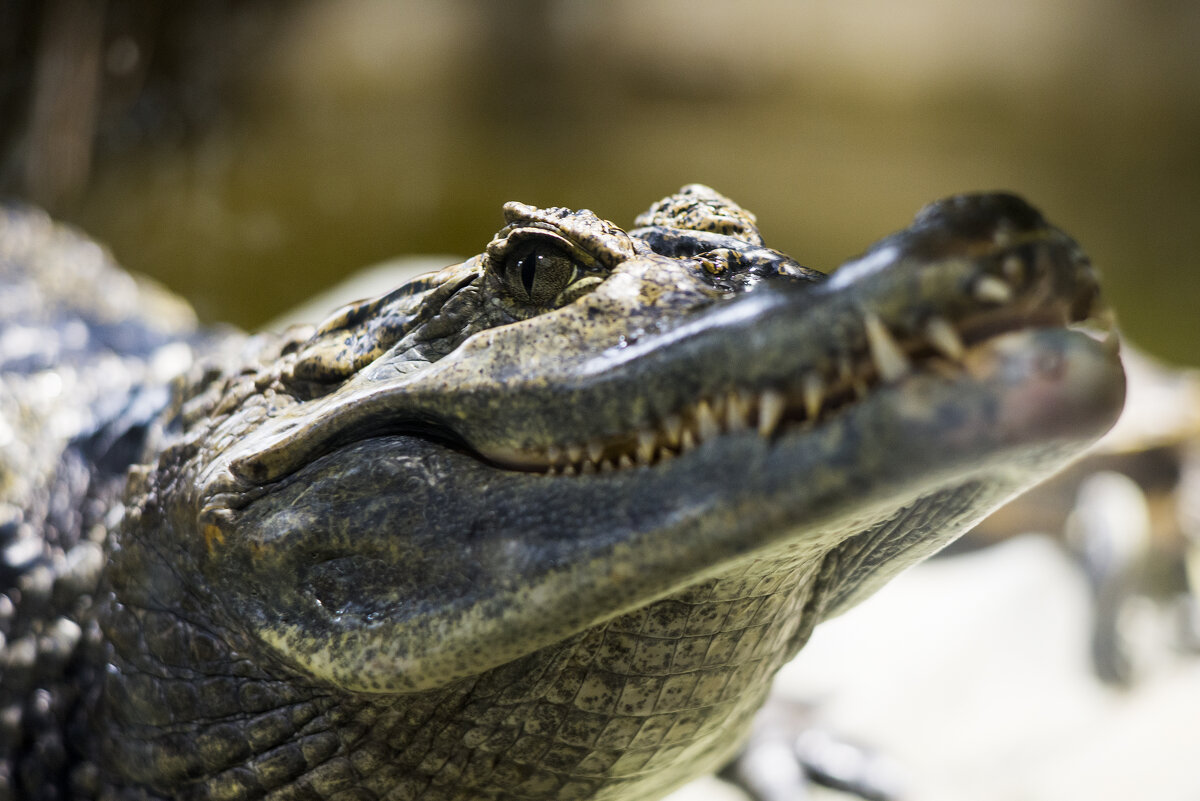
(451, 544)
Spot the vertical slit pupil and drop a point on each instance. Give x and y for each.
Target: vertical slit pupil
(528, 271)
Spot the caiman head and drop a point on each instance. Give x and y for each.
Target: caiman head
(583, 422)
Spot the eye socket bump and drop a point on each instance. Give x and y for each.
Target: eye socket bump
(536, 273)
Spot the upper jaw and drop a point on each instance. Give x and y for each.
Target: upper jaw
(788, 353)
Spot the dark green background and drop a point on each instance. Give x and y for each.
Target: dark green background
(345, 133)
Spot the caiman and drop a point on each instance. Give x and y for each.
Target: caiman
(541, 525)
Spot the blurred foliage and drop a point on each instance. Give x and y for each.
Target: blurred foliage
(249, 153)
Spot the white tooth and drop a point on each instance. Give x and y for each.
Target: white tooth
(607, 466)
(737, 412)
(553, 454)
(770, 411)
(574, 454)
(1013, 269)
(718, 408)
(665, 455)
(646, 444)
(813, 389)
(588, 468)
(625, 462)
(552, 471)
(687, 441)
(672, 427)
(991, 289)
(595, 450)
(706, 421)
(941, 335)
(570, 470)
(889, 358)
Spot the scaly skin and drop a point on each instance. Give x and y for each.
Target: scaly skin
(544, 524)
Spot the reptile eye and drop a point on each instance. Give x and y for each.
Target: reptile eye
(536, 273)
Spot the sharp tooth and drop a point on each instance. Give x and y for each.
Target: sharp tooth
(672, 428)
(607, 466)
(941, 335)
(553, 454)
(595, 450)
(737, 412)
(588, 468)
(646, 444)
(718, 407)
(991, 289)
(574, 454)
(706, 421)
(552, 471)
(687, 441)
(770, 411)
(665, 455)
(570, 470)
(813, 389)
(889, 358)
(625, 462)
(1014, 269)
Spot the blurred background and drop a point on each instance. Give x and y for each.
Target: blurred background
(249, 154)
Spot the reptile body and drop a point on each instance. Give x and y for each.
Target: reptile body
(541, 525)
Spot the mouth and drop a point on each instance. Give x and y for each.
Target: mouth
(952, 299)
(1009, 290)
